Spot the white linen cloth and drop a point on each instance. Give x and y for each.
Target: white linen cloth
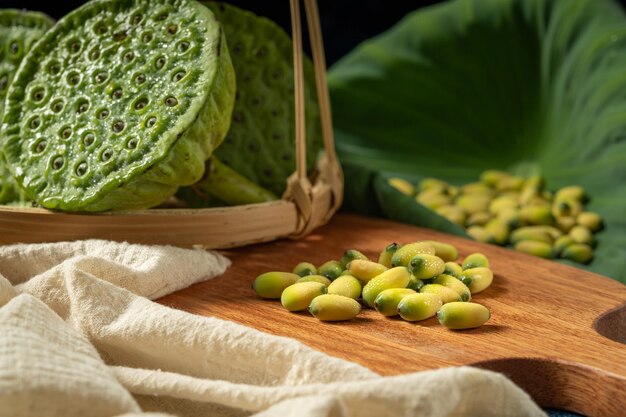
(80, 337)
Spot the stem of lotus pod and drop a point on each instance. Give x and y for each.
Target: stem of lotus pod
(229, 186)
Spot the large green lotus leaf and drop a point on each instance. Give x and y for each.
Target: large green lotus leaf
(528, 86)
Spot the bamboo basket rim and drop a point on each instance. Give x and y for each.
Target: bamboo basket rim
(306, 204)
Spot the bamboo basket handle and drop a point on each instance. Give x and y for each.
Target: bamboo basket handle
(299, 188)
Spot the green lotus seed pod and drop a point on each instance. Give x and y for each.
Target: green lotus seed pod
(459, 316)
(433, 199)
(454, 214)
(404, 254)
(402, 185)
(305, 268)
(298, 296)
(530, 233)
(433, 183)
(473, 203)
(330, 269)
(578, 252)
(503, 202)
(421, 306)
(386, 303)
(498, 230)
(385, 256)
(365, 270)
(478, 219)
(260, 144)
(350, 255)
(536, 248)
(479, 234)
(424, 266)
(480, 278)
(333, 307)
(445, 251)
(565, 224)
(536, 215)
(590, 220)
(272, 284)
(533, 186)
(446, 294)
(125, 125)
(475, 260)
(315, 278)
(575, 192)
(568, 207)
(346, 285)
(454, 284)
(397, 277)
(415, 284)
(581, 234)
(561, 243)
(492, 177)
(454, 269)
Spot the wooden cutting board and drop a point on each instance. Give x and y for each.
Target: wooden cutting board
(544, 332)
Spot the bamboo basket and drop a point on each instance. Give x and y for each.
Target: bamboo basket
(306, 204)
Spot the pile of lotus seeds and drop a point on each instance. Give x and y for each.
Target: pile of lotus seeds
(509, 210)
(416, 281)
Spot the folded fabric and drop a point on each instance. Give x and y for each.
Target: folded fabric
(80, 337)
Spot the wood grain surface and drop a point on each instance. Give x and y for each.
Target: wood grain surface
(542, 333)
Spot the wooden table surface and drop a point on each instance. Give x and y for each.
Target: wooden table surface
(543, 332)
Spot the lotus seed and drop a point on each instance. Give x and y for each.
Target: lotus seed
(73, 78)
(136, 19)
(66, 132)
(38, 94)
(160, 62)
(129, 56)
(81, 169)
(83, 106)
(41, 146)
(178, 76)
(89, 139)
(103, 114)
(101, 29)
(94, 54)
(117, 93)
(171, 101)
(147, 37)
(140, 79)
(118, 126)
(54, 68)
(101, 77)
(120, 36)
(183, 46)
(74, 46)
(106, 155)
(35, 122)
(57, 162)
(172, 29)
(141, 103)
(57, 105)
(132, 143)
(151, 122)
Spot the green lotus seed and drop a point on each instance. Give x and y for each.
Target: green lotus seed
(346, 285)
(420, 306)
(140, 79)
(94, 54)
(151, 121)
(333, 307)
(578, 252)
(103, 114)
(54, 68)
(272, 284)
(182, 46)
(536, 248)
(171, 101)
(178, 75)
(458, 315)
(136, 19)
(330, 269)
(41, 145)
(35, 122)
(365, 270)
(129, 56)
(57, 162)
(397, 277)
(81, 169)
(172, 29)
(480, 278)
(117, 94)
(350, 255)
(298, 297)
(404, 254)
(65, 132)
(446, 294)
(38, 94)
(304, 269)
(118, 126)
(475, 260)
(445, 251)
(315, 278)
(132, 143)
(424, 266)
(147, 37)
(88, 139)
(386, 302)
(83, 106)
(454, 269)
(160, 62)
(386, 255)
(454, 284)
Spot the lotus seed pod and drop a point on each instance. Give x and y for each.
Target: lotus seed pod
(421, 306)
(459, 316)
(501, 203)
(531, 233)
(454, 284)
(581, 234)
(433, 199)
(480, 278)
(330, 269)
(510, 183)
(433, 183)
(350, 255)
(478, 219)
(397, 277)
(19, 29)
(533, 186)
(454, 269)
(404, 254)
(536, 248)
(536, 215)
(298, 297)
(446, 294)
(492, 177)
(567, 207)
(415, 284)
(346, 285)
(272, 284)
(121, 129)
(479, 234)
(445, 251)
(590, 220)
(365, 270)
(260, 144)
(565, 224)
(498, 230)
(575, 192)
(305, 268)
(424, 266)
(333, 307)
(454, 214)
(403, 186)
(386, 255)
(473, 203)
(475, 260)
(386, 303)
(561, 243)
(578, 252)
(315, 278)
